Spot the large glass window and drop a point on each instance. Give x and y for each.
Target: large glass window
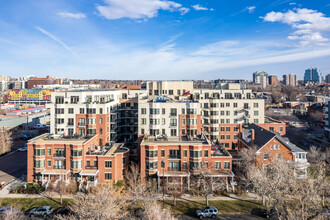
(108, 176)
(76, 164)
(151, 153)
(195, 153)
(39, 152)
(108, 164)
(59, 153)
(151, 165)
(39, 163)
(76, 153)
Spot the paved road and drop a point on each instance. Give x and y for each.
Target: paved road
(12, 166)
(222, 217)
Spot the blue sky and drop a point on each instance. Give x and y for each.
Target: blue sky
(158, 39)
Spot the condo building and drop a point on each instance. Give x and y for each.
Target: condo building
(183, 157)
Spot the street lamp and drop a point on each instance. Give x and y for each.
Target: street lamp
(163, 165)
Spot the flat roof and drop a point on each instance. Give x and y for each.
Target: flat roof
(48, 138)
(163, 139)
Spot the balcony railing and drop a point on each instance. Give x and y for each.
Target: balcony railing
(174, 169)
(59, 155)
(174, 157)
(59, 167)
(81, 125)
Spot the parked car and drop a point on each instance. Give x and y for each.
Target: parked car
(24, 136)
(4, 209)
(22, 148)
(207, 212)
(43, 211)
(62, 211)
(39, 126)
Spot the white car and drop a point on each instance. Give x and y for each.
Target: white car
(207, 212)
(22, 149)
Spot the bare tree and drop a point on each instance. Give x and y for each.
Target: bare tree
(291, 197)
(136, 189)
(5, 141)
(102, 202)
(61, 188)
(276, 96)
(316, 157)
(174, 189)
(153, 211)
(317, 116)
(13, 213)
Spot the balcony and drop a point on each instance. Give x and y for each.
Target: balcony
(81, 125)
(59, 155)
(174, 157)
(173, 169)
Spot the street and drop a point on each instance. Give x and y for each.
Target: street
(12, 165)
(238, 217)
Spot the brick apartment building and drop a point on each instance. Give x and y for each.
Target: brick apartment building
(79, 158)
(182, 157)
(40, 81)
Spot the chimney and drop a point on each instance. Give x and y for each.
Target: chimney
(252, 137)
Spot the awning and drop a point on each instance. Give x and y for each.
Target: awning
(55, 172)
(88, 172)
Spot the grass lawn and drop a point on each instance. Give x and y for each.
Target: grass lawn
(223, 206)
(30, 203)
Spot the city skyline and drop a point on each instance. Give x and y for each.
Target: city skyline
(156, 39)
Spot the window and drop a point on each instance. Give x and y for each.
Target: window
(235, 136)
(59, 99)
(183, 111)
(70, 131)
(143, 111)
(70, 121)
(76, 164)
(256, 121)
(39, 152)
(154, 121)
(183, 121)
(91, 131)
(195, 165)
(100, 131)
(82, 111)
(173, 112)
(70, 110)
(163, 121)
(183, 131)
(195, 154)
(206, 153)
(235, 129)
(76, 153)
(206, 164)
(266, 156)
(154, 111)
(184, 165)
(278, 155)
(81, 122)
(108, 176)
(255, 105)
(142, 131)
(143, 121)
(74, 99)
(173, 122)
(91, 110)
(222, 129)
(271, 147)
(91, 121)
(151, 165)
(162, 153)
(256, 113)
(88, 163)
(151, 153)
(226, 165)
(124, 160)
(59, 153)
(235, 104)
(227, 137)
(100, 121)
(170, 92)
(184, 153)
(59, 164)
(279, 146)
(49, 163)
(49, 152)
(227, 104)
(39, 163)
(222, 137)
(163, 111)
(227, 121)
(173, 132)
(108, 163)
(227, 128)
(217, 165)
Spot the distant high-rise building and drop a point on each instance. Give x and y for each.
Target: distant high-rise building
(290, 79)
(327, 78)
(272, 80)
(313, 75)
(261, 77)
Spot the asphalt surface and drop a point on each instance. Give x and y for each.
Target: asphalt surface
(12, 165)
(237, 217)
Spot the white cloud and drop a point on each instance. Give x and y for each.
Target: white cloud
(292, 3)
(72, 15)
(54, 38)
(310, 25)
(184, 10)
(198, 7)
(137, 9)
(251, 9)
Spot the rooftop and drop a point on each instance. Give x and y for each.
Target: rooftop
(49, 138)
(164, 139)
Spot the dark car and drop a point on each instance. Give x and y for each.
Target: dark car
(62, 211)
